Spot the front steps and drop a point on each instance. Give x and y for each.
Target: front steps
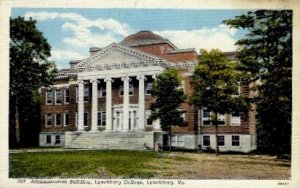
(109, 140)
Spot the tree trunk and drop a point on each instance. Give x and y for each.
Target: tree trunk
(17, 121)
(216, 127)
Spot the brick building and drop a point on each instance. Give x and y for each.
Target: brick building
(103, 101)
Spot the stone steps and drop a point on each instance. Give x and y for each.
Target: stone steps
(109, 140)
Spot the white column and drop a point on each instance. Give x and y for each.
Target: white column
(141, 112)
(108, 110)
(126, 103)
(80, 105)
(94, 104)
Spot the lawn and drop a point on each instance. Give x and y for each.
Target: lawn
(142, 164)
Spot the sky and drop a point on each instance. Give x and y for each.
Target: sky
(71, 32)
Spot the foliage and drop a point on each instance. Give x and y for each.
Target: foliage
(168, 97)
(29, 70)
(266, 57)
(215, 84)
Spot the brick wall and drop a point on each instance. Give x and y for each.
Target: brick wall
(162, 50)
(71, 107)
(191, 113)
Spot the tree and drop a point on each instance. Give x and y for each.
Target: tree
(29, 69)
(215, 84)
(168, 97)
(266, 57)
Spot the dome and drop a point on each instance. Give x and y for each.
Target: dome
(142, 38)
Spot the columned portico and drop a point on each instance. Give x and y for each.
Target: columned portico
(126, 117)
(119, 64)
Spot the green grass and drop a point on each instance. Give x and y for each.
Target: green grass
(124, 164)
(146, 164)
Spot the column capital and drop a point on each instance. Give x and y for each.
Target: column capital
(125, 78)
(108, 79)
(94, 80)
(154, 76)
(80, 81)
(141, 77)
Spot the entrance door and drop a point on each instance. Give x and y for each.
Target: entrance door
(118, 120)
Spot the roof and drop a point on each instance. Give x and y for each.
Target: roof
(182, 50)
(142, 35)
(144, 38)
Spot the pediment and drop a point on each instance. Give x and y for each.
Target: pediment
(118, 55)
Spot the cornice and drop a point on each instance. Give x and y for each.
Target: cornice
(148, 58)
(126, 66)
(184, 64)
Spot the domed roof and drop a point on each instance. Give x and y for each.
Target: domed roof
(142, 38)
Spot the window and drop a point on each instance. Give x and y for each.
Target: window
(178, 140)
(49, 97)
(48, 120)
(182, 86)
(206, 140)
(67, 96)
(235, 140)
(221, 140)
(101, 90)
(86, 92)
(149, 120)
(131, 89)
(235, 119)
(48, 139)
(148, 88)
(206, 117)
(101, 118)
(58, 119)
(183, 116)
(85, 119)
(134, 118)
(122, 89)
(58, 96)
(76, 94)
(221, 118)
(57, 139)
(118, 119)
(66, 123)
